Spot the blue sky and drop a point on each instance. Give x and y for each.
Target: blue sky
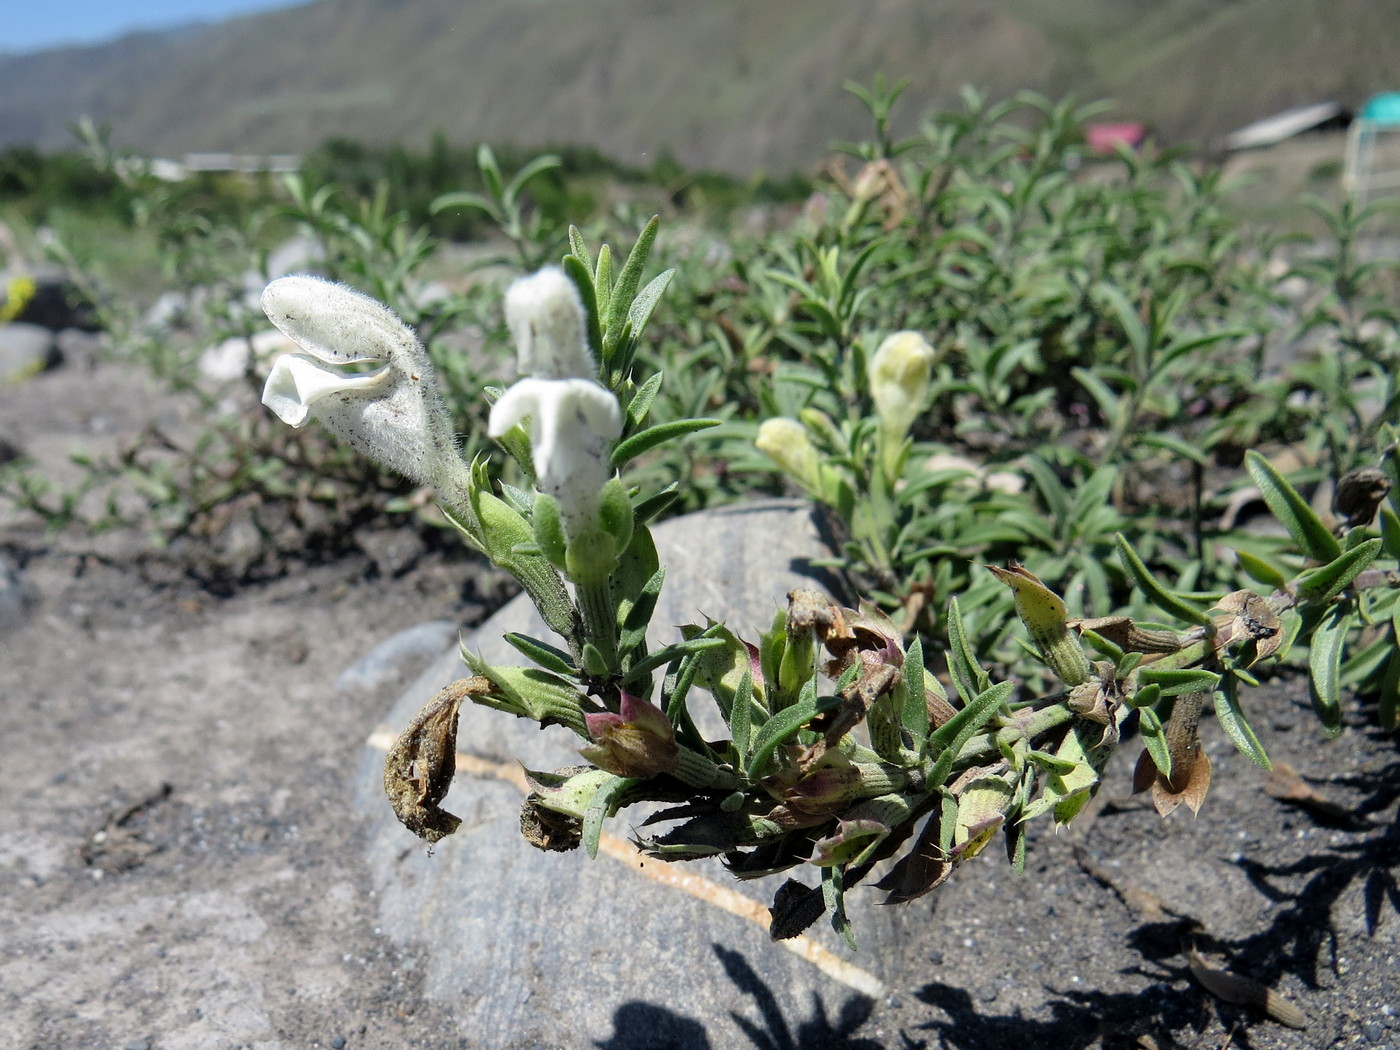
(32, 25)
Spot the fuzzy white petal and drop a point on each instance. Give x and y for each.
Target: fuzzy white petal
(572, 424)
(297, 382)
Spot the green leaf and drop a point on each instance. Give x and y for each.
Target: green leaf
(1051, 763)
(542, 653)
(602, 287)
(1390, 532)
(599, 810)
(1325, 668)
(464, 199)
(1306, 528)
(970, 677)
(1174, 682)
(1260, 571)
(640, 404)
(1103, 396)
(639, 314)
(1159, 596)
(1091, 498)
(578, 272)
(490, 170)
(1232, 720)
(637, 618)
(655, 504)
(833, 896)
(741, 718)
(1155, 740)
(1390, 694)
(1171, 443)
(950, 737)
(1133, 327)
(537, 166)
(1051, 490)
(915, 714)
(625, 289)
(579, 248)
(784, 725)
(646, 440)
(662, 657)
(1327, 581)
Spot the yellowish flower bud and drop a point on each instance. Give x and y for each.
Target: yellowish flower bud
(899, 381)
(1046, 618)
(786, 443)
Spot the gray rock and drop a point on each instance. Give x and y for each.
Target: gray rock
(399, 657)
(537, 949)
(25, 350)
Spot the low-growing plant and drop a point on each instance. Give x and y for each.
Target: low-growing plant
(845, 747)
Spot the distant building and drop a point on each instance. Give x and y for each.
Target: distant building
(244, 163)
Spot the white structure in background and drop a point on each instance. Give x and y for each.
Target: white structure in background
(1370, 166)
(1286, 125)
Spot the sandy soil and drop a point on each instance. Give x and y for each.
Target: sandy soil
(181, 868)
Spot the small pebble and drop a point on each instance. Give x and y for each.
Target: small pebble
(338, 1043)
(1373, 1032)
(935, 957)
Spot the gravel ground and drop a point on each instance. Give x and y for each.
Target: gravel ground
(182, 867)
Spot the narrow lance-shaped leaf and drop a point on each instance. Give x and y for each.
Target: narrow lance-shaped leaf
(957, 731)
(1327, 581)
(650, 438)
(1156, 593)
(1232, 720)
(1302, 523)
(625, 289)
(782, 726)
(645, 303)
(915, 714)
(599, 810)
(1325, 668)
(970, 677)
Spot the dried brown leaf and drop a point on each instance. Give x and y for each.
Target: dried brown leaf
(1287, 785)
(419, 767)
(1245, 991)
(919, 871)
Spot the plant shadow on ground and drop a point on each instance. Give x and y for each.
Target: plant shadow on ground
(640, 1025)
(1300, 940)
(1302, 929)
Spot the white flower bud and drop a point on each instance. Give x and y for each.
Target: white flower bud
(546, 319)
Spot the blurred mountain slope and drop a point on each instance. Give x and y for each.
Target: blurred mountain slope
(735, 85)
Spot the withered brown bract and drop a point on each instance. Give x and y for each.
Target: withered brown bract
(420, 766)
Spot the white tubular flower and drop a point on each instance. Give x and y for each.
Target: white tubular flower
(573, 421)
(545, 316)
(394, 414)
